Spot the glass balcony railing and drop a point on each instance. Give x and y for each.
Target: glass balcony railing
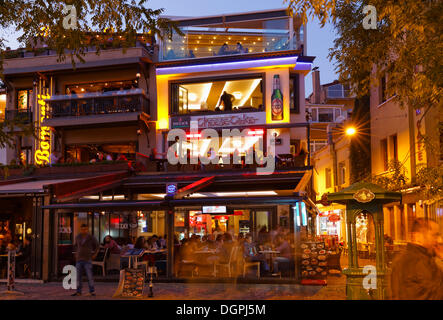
(96, 103)
(201, 42)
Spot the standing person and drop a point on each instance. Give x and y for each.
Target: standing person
(86, 248)
(415, 274)
(226, 99)
(24, 257)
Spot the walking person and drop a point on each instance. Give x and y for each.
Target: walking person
(86, 248)
(415, 274)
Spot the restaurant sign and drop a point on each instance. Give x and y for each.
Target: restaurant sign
(221, 120)
(43, 143)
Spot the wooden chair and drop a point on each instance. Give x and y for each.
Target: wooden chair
(101, 259)
(249, 264)
(230, 262)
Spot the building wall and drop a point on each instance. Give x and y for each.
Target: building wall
(163, 104)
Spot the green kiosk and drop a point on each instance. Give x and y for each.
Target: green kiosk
(367, 199)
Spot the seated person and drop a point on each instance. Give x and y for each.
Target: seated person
(251, 255)
(110, 243)
(284, 248)
(224, 49)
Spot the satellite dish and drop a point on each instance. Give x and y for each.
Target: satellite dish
(340, 119)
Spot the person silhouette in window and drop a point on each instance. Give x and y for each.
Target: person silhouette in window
(226, 99)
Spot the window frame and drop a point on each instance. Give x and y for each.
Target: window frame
(29, 97)
(294, 78)
(243, 76)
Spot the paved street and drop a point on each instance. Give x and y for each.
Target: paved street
(191, 291)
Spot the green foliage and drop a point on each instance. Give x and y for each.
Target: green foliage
(41, 21)
(431, 178)
(395, 179)
(407, 45)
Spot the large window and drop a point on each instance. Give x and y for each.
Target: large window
(24, 99)
(328, 179)
(294, 93)
(2, 106)
(384, 153)
(225, 95)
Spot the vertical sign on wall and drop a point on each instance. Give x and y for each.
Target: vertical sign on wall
(43, 143)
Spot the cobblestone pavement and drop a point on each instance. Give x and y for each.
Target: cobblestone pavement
(335, 290)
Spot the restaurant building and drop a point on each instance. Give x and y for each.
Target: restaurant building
(125, 104)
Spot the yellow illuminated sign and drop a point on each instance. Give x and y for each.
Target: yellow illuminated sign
(43, 147)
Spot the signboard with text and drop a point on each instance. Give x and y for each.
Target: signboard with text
(239, 119)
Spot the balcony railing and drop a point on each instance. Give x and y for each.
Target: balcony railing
(111, 102)
(19, 115)
(200, 42)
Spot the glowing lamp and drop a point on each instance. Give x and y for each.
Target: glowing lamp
(350, 131)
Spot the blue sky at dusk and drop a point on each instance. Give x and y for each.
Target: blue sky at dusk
(319, 39)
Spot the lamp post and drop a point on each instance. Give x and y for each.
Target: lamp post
(349, 131)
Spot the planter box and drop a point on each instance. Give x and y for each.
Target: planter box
(81, 169)
(11, 173)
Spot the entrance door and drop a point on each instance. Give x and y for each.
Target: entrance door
(263, 219)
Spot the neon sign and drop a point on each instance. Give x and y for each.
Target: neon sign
(43, 144)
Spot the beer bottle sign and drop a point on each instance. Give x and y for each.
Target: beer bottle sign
(277, 100)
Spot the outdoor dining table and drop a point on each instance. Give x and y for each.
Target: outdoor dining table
(271, 254)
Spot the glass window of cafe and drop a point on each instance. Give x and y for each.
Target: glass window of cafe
(224, 95)
(196, 145)
(214, 220)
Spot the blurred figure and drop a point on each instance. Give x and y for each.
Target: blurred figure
(251, 255)
(24, 258)
(284, 248)
(415, 274)
(140, 243)
(86, 248)
(110, 243)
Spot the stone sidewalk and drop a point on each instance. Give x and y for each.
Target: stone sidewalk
(335, 290)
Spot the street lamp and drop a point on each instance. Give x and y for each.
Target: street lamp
(350, 131)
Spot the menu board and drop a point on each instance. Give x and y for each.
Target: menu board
(314, 264)
(134, 281)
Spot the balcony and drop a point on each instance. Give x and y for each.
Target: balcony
(94, 107)
(238, 34)
(327, 114)
(19, 115)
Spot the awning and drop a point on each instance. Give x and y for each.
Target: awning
(61, 189)
(20, 187)
(74, 189)
(166, 204)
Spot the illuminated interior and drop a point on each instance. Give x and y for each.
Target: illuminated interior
(246, 94)
(2, 106)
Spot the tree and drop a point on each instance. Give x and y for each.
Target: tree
(407, 45)
(83, 24)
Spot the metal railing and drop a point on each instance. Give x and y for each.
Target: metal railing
(111, 102)
(20, 115)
